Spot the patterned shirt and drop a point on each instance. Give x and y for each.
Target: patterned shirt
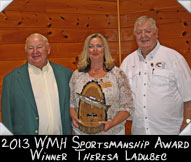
(118, 94)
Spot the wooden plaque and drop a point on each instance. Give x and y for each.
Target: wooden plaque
(90, 114)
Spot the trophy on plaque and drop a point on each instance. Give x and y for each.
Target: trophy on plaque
(92, 108)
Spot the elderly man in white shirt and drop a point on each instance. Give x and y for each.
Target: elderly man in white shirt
(160, 80)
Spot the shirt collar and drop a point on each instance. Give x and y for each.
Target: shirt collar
(37, 70)
(151, 55)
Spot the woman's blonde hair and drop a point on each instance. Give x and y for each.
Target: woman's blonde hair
(84, 59)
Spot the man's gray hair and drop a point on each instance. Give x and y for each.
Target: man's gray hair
(36, 34)
(141, 20)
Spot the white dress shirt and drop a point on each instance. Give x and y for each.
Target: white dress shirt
(45, 92)
(161, 83)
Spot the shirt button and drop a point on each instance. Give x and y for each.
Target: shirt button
(145, 84)
(36, 131)
(144, 95)
(36, 118)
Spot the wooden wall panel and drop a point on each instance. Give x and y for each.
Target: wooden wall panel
(141, 6)
(16, 19)
(28, 5)
(82, 6)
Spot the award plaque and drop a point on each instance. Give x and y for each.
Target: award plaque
(92, 108)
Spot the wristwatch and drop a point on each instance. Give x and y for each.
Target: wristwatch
(188, 121)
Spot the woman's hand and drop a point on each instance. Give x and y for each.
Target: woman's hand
(121, 116)
(108, 125)
(74, 117)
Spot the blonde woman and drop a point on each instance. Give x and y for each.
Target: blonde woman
(96, 63)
